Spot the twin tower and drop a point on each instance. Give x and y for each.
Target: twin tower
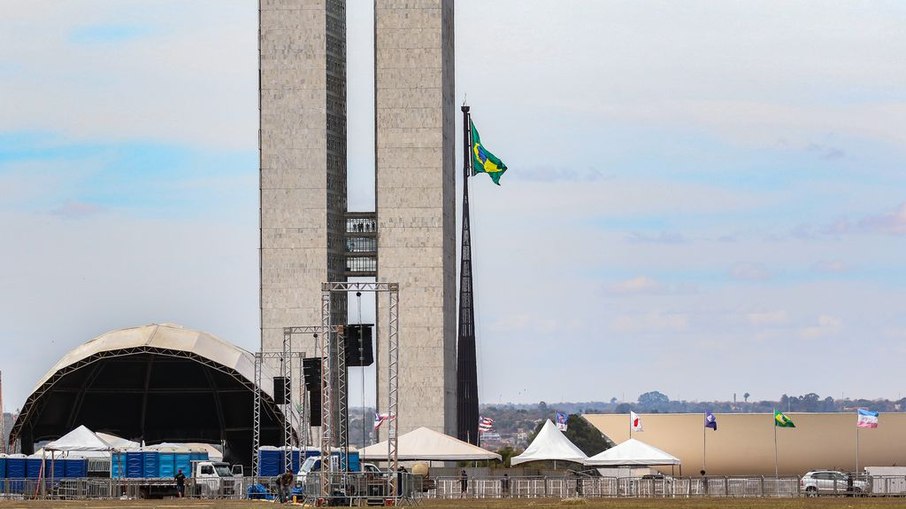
(307, 235)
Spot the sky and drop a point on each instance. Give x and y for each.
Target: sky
(704, 198)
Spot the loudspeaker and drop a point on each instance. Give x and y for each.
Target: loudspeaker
(280, 390)
(314, 405)
(359, 336)
(311, 372)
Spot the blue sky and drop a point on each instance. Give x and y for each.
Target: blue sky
(704, 198)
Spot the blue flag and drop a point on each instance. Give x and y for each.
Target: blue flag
(561, 421)
(710, 420)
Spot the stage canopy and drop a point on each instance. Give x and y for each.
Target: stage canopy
(550, 445)
(632, 453)
(428, 445)
(155, 383)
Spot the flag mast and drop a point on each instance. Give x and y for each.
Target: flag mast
(466, 358)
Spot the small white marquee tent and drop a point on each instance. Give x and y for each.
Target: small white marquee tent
(79, 439)
(632, 453)
(550, 445)
(428, 445)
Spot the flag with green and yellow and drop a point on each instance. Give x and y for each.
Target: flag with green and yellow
(782, 421)
(484, 161)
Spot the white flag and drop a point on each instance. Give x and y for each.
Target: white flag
(635, 422)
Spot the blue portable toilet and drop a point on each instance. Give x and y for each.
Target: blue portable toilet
(167, 464)
(135, 464)
(183, 460)
(150, 464)
(15, 466)
(33, 467)
(270, 461)
(76, 467)
(117, 465)
(2, 466)
(54, 468)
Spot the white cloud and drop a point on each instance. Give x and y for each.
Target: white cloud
(827, 326)
(768, 318)
(750, 272)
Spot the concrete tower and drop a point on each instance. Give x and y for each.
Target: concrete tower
(307, 237)
(302, 51)
(415, 138)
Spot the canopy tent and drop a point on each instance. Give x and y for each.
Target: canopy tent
(632, 453)
(550, 445)
(79, 439)
(428, 445)
(116, 442)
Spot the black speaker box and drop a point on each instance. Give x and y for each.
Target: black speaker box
(359, 350)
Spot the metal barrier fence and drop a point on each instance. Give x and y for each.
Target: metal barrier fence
(361, 489)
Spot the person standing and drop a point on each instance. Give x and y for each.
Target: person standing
(284, 485)
(463, 483)
(505, 486)
(180, 484)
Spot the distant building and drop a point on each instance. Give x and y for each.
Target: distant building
(744, 443)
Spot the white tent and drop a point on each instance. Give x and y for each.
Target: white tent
(116, 442)
(428, 445)
(550, 445)
(632, 453)
(79, 439)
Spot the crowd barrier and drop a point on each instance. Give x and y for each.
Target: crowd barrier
(359, 489)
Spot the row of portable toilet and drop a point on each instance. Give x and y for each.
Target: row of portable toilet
(19, 466)
(271, 460)
(153, 464)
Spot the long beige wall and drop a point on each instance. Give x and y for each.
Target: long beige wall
(415, 143)
(744, 443)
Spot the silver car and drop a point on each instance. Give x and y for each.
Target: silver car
(818, 482)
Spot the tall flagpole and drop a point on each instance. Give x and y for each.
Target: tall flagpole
(857, 449)
(775, 446)
(466, 359)
(704, 450)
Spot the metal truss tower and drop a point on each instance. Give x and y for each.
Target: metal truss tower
(466, 358)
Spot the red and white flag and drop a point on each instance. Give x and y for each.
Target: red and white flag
(380, 418)
(635, 422)
(485, 424)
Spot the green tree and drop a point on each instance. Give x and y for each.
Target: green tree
(586, 437)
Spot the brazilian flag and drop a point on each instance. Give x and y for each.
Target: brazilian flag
(782, 421)
(484, 161)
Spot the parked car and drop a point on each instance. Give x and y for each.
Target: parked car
(819, 482)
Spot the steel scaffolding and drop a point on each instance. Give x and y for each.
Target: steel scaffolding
(393, 377)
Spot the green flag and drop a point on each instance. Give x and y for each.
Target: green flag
(484, 161)
(782, 421)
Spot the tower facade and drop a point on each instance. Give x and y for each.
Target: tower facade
(307, 236)
(415, 151)
(302, 92)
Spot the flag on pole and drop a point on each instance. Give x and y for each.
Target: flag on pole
(635, 422)
(782, 421)
(710, 420)
(867, 419)
(484, 161)
(485, 424)
(561, 421)
(380, 418)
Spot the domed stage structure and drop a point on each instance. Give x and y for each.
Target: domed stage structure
(156, 383)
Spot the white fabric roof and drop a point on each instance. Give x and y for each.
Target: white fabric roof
(632, 452)
(79, 439)
(169, 337)
(116, 442)
(550, 445)
(429, 445)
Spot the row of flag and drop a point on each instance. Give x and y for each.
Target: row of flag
(865, 419)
